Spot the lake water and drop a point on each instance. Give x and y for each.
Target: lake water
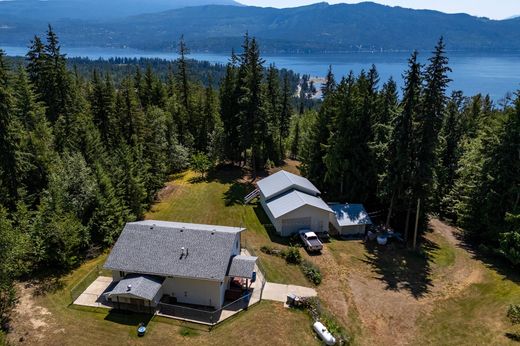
(493, 74)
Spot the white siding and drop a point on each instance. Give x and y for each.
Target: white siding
(277, 224)
(319, 218)
(193, 291)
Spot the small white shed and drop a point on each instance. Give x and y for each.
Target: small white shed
(349, 219)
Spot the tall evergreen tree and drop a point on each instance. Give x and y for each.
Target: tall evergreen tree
(449, 153)
(182, 75)
(401, 160)
(285, 114)
(10, 146)
(37, 140)
(429, 121)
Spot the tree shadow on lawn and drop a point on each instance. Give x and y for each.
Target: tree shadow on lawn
(400, 268)
(488, 257)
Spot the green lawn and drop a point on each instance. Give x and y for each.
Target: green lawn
(475, 316)
(71, 325)
(218, 200)
(472, 315)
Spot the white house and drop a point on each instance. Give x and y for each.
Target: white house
(292, 202)
(349, 219)
(154, 261)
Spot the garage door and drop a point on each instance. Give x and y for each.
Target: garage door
(290, 226)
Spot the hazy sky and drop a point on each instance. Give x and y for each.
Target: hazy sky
(496, 9)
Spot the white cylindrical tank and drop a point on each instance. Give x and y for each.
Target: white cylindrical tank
(324, 334)
(382, 240)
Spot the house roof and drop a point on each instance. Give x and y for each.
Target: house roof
(242, 266)
(293, 200)
(155, 247)
(351, 214)
(142, 286)
(283, 181)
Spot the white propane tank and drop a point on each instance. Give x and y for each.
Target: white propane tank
(324, 334)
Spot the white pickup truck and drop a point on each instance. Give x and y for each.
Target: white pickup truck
(310, 240)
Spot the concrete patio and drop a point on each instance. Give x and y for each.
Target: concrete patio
(92, 295)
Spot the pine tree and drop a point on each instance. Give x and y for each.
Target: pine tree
(401, 160)
(315, 145)
(229, 113)
(37, 139)
(55, 92)
(10, 150)
(102, 105)
(109, 214)
(295, 145)
(273, 116)
(182, 75)
(449, 154)
(429, 121)
(330, 83)
(130, 114)
(285, 114)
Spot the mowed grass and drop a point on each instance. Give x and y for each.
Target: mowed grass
(475, 316)
(71, 325)
(217, 200)
(187, 198)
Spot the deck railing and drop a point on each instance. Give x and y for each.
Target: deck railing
(206, 316)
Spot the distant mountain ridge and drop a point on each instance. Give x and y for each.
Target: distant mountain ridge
(94, 9)
(308, 29)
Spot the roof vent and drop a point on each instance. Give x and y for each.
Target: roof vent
(128, 288)
(182, 230)
(182, 251)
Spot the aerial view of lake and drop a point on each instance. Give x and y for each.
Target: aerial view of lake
(495, 74)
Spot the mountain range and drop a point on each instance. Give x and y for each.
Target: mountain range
(52, 10)
(219, 27)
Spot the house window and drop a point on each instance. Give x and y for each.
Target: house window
(122, 274)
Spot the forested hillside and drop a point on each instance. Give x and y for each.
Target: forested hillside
(83, 153)
(450, 155)
(318, 28)
(51, 10)
(82, 156)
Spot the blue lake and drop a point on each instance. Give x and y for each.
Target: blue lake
(493, 74)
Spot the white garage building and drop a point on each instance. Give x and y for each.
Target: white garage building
(349, 219)
(292, 203)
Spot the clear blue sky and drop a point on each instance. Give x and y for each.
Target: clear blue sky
(496, 9)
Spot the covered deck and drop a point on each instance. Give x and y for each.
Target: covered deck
(245, 289)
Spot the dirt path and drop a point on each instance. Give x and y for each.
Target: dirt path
(389, 315)
(30, 321)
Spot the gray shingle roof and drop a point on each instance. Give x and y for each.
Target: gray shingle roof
(242, 266)
(283, 181)
(147, 249)
(294, 200)
(142, 286)
(351, 214)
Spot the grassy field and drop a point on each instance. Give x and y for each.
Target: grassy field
(50, 320)
(443, 294)
(218, 201)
